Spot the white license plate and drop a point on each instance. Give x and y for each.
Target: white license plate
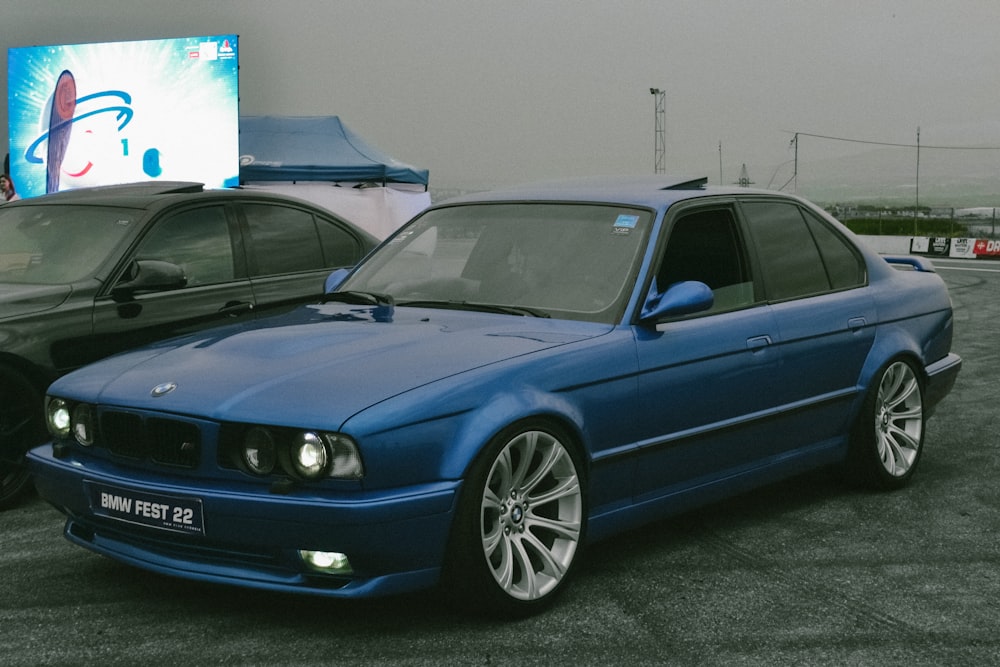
(175, 513)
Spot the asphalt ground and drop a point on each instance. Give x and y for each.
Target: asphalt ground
(806, 572)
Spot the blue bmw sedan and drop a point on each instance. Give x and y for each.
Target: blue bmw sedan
(509, 377)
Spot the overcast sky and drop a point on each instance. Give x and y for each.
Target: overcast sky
(491, 93)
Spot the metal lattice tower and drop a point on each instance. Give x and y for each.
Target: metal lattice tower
(744, 180)
(659, 131)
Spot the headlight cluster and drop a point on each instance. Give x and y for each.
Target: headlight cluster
(65, 419)
(302, 454)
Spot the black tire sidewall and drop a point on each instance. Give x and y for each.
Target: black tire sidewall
(15, 478)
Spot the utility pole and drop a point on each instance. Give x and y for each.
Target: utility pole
(795, 173)
(720, 163)
(916, 208)
(659, 131)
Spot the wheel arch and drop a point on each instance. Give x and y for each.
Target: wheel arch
(890, 345)
(480, 427)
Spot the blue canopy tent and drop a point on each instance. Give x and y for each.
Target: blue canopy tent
(315, 148)
(319, 159)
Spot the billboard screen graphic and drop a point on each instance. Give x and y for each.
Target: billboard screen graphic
(118, 112)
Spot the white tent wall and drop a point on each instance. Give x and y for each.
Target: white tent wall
(376, 209)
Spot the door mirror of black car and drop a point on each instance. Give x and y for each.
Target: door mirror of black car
(148, 275)
(682, 298)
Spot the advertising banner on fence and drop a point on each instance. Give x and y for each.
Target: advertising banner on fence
(961, 247)
(987, 248)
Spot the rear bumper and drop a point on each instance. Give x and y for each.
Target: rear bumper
(941, 376)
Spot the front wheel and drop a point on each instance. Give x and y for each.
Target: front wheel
(20, 429)
(520, 523)
(889, 436)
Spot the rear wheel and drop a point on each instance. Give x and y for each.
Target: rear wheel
(520, 523)
(889, 436)
(21, 428)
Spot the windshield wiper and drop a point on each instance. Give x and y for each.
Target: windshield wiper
(480, 307)
(356, 298)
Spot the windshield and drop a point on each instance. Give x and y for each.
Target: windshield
(573, 261)
(55, 245)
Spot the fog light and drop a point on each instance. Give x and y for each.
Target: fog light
(330, 562)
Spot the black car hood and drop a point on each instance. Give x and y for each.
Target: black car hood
(17, 300)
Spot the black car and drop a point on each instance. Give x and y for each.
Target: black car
(88, 273)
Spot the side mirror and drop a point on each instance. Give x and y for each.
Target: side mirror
(681, 298)
(148, 275)
(334, 280)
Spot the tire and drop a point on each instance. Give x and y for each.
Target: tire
(520, 523)
(889, 435)
(21, 428)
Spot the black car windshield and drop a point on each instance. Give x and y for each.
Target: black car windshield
(571, 261)
(55, 245)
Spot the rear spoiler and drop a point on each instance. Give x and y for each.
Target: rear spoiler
(911, 263)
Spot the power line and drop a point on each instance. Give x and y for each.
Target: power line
(896, 145)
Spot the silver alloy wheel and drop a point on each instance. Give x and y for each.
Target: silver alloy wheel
(531, 514)
(899, 419)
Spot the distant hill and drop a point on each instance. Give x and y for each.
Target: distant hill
(948, 178)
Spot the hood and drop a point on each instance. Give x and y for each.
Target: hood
(17, 300)
(317, 366)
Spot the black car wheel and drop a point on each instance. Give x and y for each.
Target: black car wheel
(889, 435)
(520, 523)
(21, 428)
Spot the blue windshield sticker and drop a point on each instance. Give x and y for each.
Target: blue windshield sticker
(626, 221)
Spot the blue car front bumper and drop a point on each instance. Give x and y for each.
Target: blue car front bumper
(395, 540)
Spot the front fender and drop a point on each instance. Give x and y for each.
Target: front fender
(495, 413)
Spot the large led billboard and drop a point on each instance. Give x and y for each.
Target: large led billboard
(119, 112)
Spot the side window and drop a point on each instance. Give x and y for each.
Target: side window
(800, 254)
(283, 240)
(706, 246)
(197, 240)
(790, 262)
(340, 248)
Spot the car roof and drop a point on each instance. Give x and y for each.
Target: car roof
(153, 194)
(135, 195)
(654, 191)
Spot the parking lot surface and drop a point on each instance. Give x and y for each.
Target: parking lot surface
(807, 572)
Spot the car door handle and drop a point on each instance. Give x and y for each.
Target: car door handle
(758, 342)
(856, 323)
(235, 308)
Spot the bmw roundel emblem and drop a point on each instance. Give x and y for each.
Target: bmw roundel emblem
(163, 389)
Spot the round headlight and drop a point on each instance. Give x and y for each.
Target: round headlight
(83, 424)
(310, 455)
(57, 417)
(260, 454)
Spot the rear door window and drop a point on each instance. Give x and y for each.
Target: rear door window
(800, 255)
(283, 240)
